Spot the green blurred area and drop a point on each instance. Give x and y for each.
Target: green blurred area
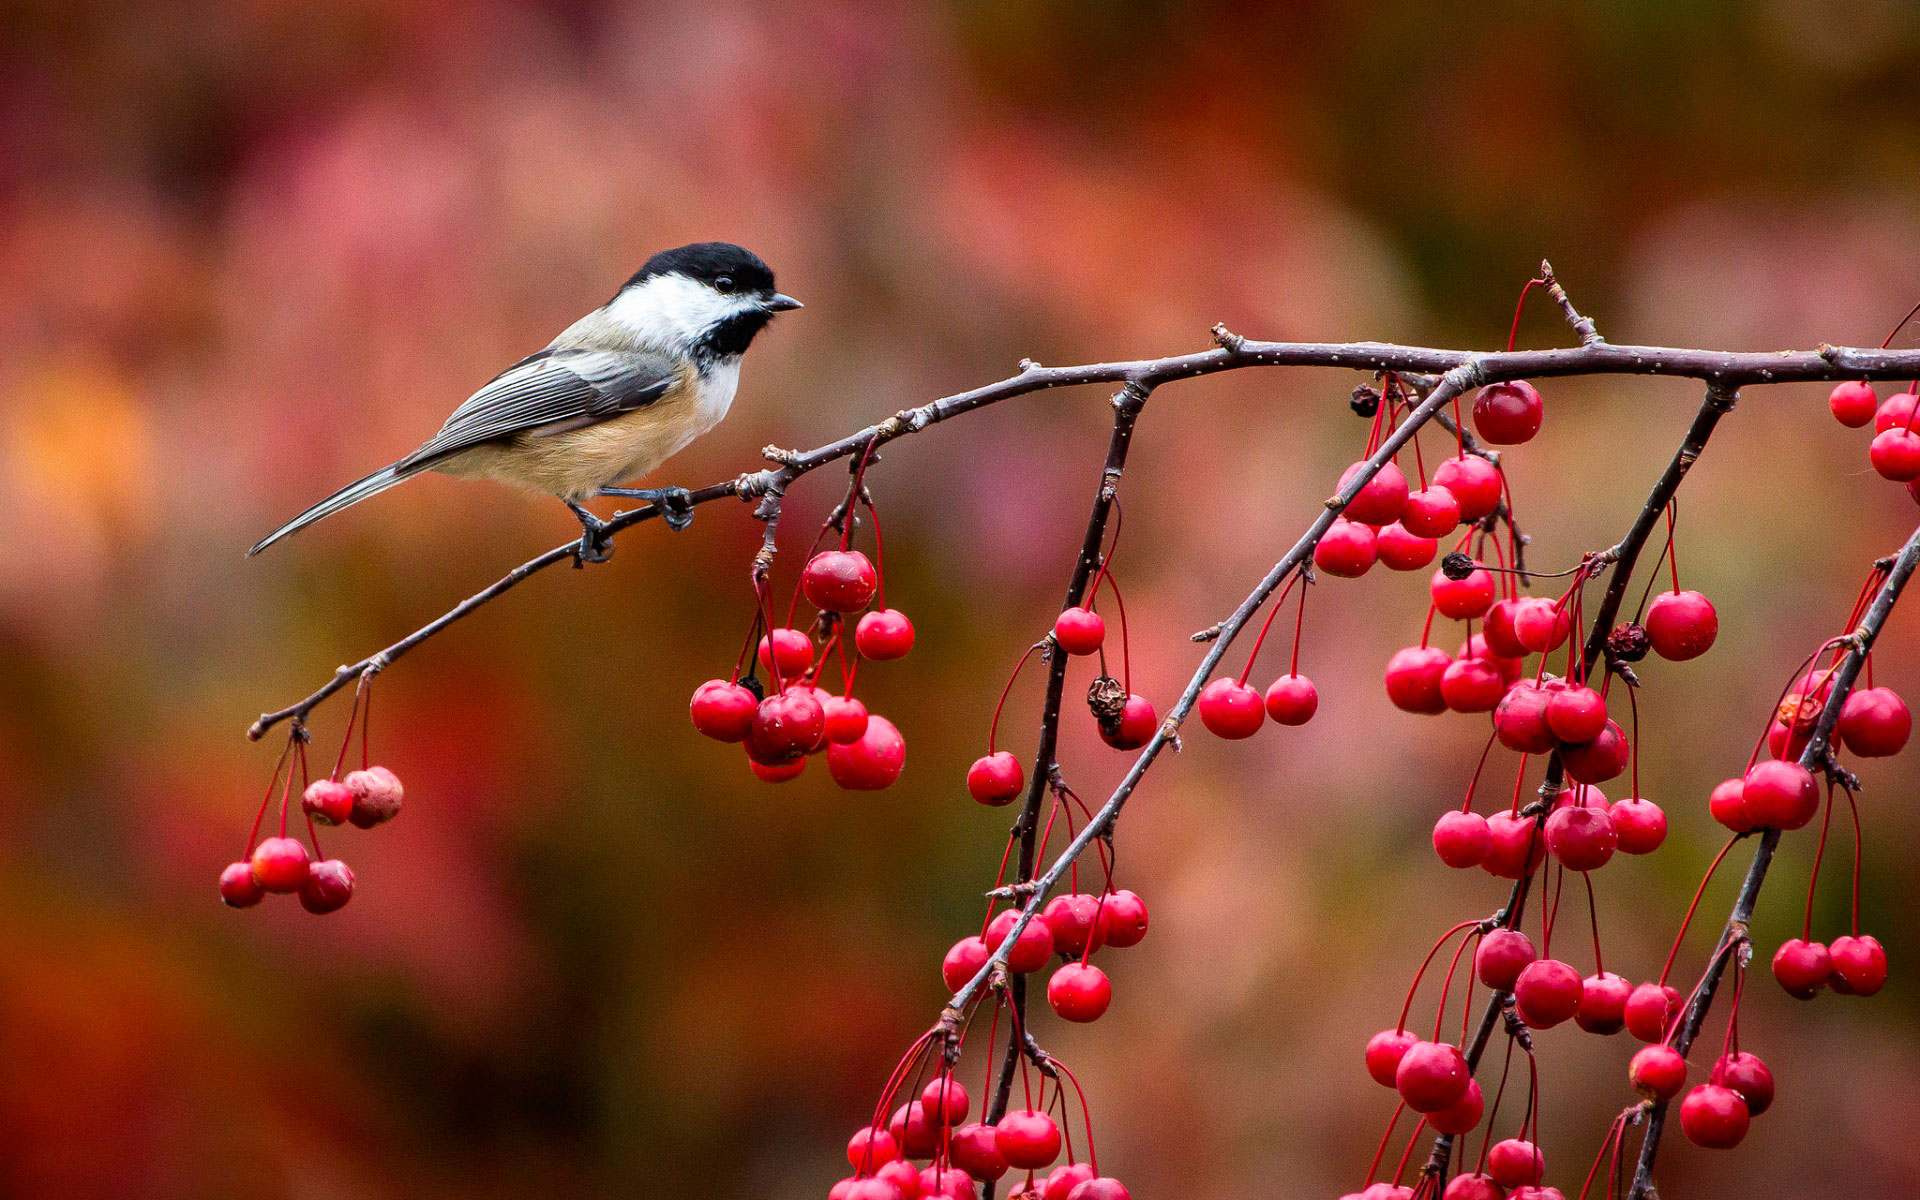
(249, 250)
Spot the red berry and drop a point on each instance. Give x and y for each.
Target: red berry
(1383, 498)
(1462, 599)
(871, 763)
(1401, 550)
(1547, 993)
(377, 796)
(1292, 700)
(1895, 454)
(883, 635)
(1540, 624)
(1079, 631)
(1508, 413)
(1651, 1011)
(1345, 549)
(1714, 1117)
(1728, 805)
(1102, 1187)
(1123, 919)
(786, 653)
(1137, 724)
(1520, 719)
(1681, 625)
(1027, 1139)
(975, 1150)
(870, 1149)
(780, 772)
(963, 962)
(723, 710)
(839, 581)
(786, 725)
(238, 887)
(1060, 1184)
(1031, 949)
(871, 1188)
(1474, 482)
(945, 1183)
(1581, 837)
(1431, 512)
(1384, 1052)
(914, 1132)
(1079, 992)
(1474, 1187)
(1599, 760)
(1860, 963)
(1073, 919)
(1413, 679)
(902, 1176)
(328, 887)
(1875, 723)
(1802, 968)
(1852, 403)
(1516, 1163)
(280, 864)
(1460, 838)
(995, 779)
(1463, 1114)
(1639, 824)
(1502, 638)
(327, 801)
(1576, 713)
(1431, 1076)
(945, 1101)
(1231, 709)
(1781, 794)
(1603, 1003)
(1746, 1074)
(1896, 410)
(846, 719)
(1514, 846)
(1657, 1072)
(1471, 685)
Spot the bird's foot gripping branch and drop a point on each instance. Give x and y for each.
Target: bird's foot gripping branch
(1552, 669)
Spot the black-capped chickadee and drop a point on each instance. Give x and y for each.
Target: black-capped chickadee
(622, 390)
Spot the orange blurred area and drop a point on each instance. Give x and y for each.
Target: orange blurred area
(250, 250)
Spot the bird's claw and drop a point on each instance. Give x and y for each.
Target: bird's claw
(596, 538)
(674, 504)
(676, 507)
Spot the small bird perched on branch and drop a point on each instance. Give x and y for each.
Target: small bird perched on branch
(619, 392)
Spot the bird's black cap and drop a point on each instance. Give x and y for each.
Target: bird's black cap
(708, 261)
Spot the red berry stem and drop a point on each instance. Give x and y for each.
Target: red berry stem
(1514, 333)
(1813, 876)
(1413, 1139)
(1446, 982)
(993, 727)
(1278, 604)
(1593, 915)
(1086, 1113)
(273, 783)
(1694, 906)
(1386, 1139)
(1854, 917)
(1615, 1132)
(1299, 623)
(1407, 1008)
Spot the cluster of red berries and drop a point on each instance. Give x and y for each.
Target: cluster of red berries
(1895, 449)
(960, 1154)
(799, 718)
(365, 798)
(1071, 926)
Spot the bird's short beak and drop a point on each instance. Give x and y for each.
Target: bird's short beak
(781, 302)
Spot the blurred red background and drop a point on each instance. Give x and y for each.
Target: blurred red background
(251, 249)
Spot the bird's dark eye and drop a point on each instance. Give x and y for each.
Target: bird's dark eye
(724, 285)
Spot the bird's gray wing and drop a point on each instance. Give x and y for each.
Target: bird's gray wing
(547, 393)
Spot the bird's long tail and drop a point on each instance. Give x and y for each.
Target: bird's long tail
(351, 494)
